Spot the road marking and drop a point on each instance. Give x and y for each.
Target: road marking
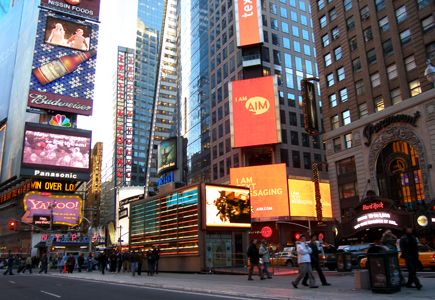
(13, 282)
(51, 294)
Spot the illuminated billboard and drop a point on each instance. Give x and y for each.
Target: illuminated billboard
(249, 25)
(61, 209)
(227, 206)
(53, 152)
(254, 111)
(268, 185)
(303, 198)
(167, 155)
(89, 9)
(63, 68)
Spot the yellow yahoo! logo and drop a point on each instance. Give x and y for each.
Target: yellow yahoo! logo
(257, 105)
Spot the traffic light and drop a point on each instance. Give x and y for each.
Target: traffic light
(12, 224)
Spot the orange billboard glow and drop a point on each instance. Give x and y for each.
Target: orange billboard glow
(268, 185)
(254, 110)
(249, 26)
(303, 198)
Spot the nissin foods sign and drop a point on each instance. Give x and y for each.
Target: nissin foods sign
(249, 26)
(254, 112)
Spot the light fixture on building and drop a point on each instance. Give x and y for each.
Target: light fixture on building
(429, 72)
(422, 221)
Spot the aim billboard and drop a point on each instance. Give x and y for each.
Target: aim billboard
(249, 25)
(254, 111)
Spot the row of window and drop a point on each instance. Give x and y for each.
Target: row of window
(379, 4)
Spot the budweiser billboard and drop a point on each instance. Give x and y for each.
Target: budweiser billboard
(268, 185)
(254, 111)
(249, 26)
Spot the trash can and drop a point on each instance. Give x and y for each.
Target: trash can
(384, 270)
(344, 261)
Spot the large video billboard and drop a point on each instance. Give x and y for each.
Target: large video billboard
(63, 66)
(89, 9)
(227, 206)
(254, 108)
(303, 198)
(268, 185)
(52, 152)
(249, 25)
(61, 209)
(167, 155)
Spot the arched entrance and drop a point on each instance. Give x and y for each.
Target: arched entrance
(399, 175)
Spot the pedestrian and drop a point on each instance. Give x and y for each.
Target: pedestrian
(140, 259)
(10, 264)
(133, 262)
(254, 260)
(21, 264)
(409, 250)
(80, 262)
(126, 262)
(304, 261)
(156, 252)
(70, 262)
(102, 260)
(44, 264)
(151, 259)
(28, 265)
(316, 250)
(265, 257)
(118, 261)
(90, 262)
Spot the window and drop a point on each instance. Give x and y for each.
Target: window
(294, 138)
(348, 141)
(362, 110)
(304, 20)
(274, 24)
(305, 35)
(305, 140)
(423, 3)
(392, 71)
(294, 16)
(414, 88)
(296, 159)
(383, 24)
(341, 74)
(335, 122)
(272, 8)
(359, 86)
(327, 59)
(427, 23)
(347, 4)
(337, 144)
(350, 23)
(379, 103)
(284, 27)
(410, 63)
(380, 5)
(343, 95)
(283, 12)
(332, 100)
(353, 44)
(356, 65)
(332, 15)
(375, 79)
(287, 60)
(276, 57)
(307, 50)
(295, 31)
(345, 116)
(297, 46)
(335, 33)
(405, 36)
(293, 120)
(368, 35)
(401, 14)
(387, 46)
(395, 95)
(307, 160)
(330, 79)
(323, 21)
(371, 56)
(286, 42)
(338, 53)
(364, 12)
(325, 40)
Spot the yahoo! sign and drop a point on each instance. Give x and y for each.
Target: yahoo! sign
(64, 209)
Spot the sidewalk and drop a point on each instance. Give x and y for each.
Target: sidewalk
(277, 288)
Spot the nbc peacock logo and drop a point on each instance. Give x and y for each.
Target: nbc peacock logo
(257, 105)
(60, 120)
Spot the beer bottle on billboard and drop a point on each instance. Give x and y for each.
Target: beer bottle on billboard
(61, 66)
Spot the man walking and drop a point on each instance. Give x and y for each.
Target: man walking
(254, 260)
(304, 262)
(10, 262)
(409, 250)
(44, 264)
(265, 256)
(315, 264)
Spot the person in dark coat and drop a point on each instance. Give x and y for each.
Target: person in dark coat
(156, 252)
(10, 264)
(254, 260)
(70, 262)
(44, 264)
(151, 259)
(80, 262)
(409, 250)
(102, 260)
(315, 263)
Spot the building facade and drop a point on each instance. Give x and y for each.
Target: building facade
(377, 102)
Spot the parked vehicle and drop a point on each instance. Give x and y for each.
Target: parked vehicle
(285, 258)
(330, 259)
(358, 252)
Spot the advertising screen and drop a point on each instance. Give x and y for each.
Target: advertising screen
(63, 150)
(268, 185)
(303, 198)
(227, 206)
(254, 110)
(249, 26)
(62, 209)
(167, 155)
(89, 9)
(62, 77)
(60, 32)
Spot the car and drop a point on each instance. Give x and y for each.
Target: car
(357, 253)
(330, 259)
(426, 257)
(284, 258)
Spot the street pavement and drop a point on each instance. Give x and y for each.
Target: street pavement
(342, 285)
